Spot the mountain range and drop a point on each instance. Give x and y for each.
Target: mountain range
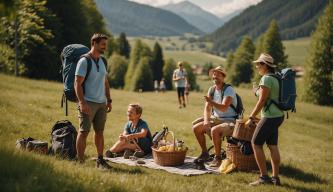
(195, 15)
(296, 18)
(142, 20)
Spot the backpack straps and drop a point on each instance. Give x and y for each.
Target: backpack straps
(225, 86)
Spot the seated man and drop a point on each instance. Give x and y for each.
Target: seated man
(136, 139)
(218, 114)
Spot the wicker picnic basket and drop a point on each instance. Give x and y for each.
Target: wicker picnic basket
(169, 158)
(242, 162)
(243, 132)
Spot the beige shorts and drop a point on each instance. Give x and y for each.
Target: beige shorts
(227, 126)
(97, 117)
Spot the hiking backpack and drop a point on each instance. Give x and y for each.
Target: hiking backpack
(287, 90)
(63, 139)
(70, 56)
(239, 109)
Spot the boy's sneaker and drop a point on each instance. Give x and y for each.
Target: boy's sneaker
(102, 164)
(204, 156)
(128, 153)
(276, 181)
(139, 154)
(263, 180)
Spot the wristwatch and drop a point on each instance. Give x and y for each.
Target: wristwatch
(109, 100)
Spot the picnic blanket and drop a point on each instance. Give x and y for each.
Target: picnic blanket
(187, 169)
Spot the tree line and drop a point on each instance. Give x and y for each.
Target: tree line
(318, 85)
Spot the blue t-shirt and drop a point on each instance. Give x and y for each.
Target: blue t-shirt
(146, 142)
(230, 113)
(94, 85)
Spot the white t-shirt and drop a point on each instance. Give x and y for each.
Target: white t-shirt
(180, 74)
(230, 113)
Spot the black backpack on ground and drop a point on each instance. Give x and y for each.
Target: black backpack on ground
(239, 109)
(70, 55)
(63, 139)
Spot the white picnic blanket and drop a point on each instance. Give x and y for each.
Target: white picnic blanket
(187, 169)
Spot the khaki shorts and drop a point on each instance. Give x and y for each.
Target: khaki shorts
(97, 117)
(227, 126)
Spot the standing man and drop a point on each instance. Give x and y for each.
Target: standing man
(180, 79)
(94, 99)
(218, 114)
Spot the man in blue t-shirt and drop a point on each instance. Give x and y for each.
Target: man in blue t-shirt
(218, 115)
(136, 138)
(94, 99)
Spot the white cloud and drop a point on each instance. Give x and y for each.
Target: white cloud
(230, 7)
(156, 2)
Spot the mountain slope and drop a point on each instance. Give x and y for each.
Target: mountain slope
(137, 19)
(296, 18)
(193, 14)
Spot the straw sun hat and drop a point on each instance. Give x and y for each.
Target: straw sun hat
(267, 59)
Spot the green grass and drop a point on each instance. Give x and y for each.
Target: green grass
(30, 108)
(297, 50)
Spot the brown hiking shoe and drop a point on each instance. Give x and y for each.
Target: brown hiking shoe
(216, 162)
(204, 156)
(263, 180)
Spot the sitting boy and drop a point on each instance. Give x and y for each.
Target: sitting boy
(136, 139)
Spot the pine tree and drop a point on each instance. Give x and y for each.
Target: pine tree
(117, 67)
(191, 76)
(157, 62)
(241, 68)
(123, 46)
(230, 59)
(319, 68)
(169, 67)
(139, 51)
(143, 77)
(273, 45)
(259, 49)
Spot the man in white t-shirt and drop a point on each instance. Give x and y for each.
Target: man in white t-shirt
(180, 79)
(218, 115)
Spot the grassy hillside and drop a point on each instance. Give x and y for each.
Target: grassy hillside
(297, 50)
(30, 108)
(181, 48)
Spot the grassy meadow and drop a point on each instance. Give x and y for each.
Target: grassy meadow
(31, 107)
(297, 50)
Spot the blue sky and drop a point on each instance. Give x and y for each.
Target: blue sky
(218, 7)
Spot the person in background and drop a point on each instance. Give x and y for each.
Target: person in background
(180, 79)
(162, 85)
(156, 86)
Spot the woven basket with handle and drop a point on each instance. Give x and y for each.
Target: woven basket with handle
(169, 158)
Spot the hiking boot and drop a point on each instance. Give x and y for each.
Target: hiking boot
(128, 153)
(184, 105)
(204, 156)
(276, 181)
(216, 162)
(139, 154)
(110, 154)
(102, 164)
(263, 180)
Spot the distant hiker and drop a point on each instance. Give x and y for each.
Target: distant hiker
(156, 86)
(218, 114)
(180, 79)
(271, 119)
(136, 138)
(94, 99)
(162, 85)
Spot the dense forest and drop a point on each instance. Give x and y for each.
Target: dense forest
(296, 18)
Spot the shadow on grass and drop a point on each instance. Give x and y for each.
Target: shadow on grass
(134, 171)
(20, 172)
(298, 188)
(298, 174)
